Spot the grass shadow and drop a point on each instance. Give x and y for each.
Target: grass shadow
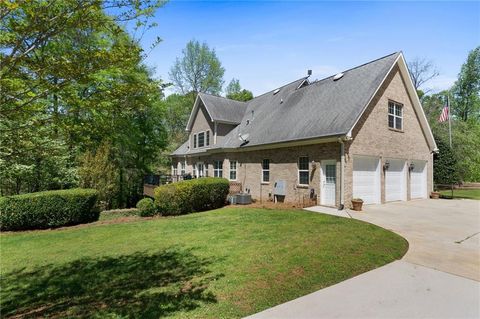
(140, 285)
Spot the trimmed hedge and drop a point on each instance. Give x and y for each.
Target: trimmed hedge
(189, 196)
(48, 209)
(146, 207)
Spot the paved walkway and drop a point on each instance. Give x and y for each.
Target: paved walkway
(437, 278)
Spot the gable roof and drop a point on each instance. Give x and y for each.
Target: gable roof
(324, 108)
(219, 109)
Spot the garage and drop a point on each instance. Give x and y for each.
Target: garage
(366, 179)
(418, 180)
(395, 180)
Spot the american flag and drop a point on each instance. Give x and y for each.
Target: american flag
(444, 116)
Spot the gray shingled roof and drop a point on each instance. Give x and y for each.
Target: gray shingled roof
(223, 109)
(323, 108)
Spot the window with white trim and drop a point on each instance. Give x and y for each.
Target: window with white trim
(395, 115)
(194, 140)
(233, 170)
(201, 139)
(265, 171)
(217, 168)
(303, 171)
(182, 168)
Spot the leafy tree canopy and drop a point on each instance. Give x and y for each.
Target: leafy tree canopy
(197, 70)
(234, 91)
(467, 88)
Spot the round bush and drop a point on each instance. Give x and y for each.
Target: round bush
(146, 207)
(191, 196)
(48, 209)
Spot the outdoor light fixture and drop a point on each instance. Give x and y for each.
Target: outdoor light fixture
(386, 165)
(411, 166)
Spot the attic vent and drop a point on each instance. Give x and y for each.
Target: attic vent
(276, 91)
(337, 76)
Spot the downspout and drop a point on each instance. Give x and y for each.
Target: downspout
(342, 173)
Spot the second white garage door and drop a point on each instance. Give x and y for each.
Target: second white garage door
(366, 179)
(395, 181)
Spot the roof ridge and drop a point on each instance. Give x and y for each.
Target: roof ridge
(353, 68)
(222, 97)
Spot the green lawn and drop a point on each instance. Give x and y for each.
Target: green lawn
(462, 193)
(225, 263)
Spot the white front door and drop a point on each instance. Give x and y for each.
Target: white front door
(395, 181)
(328, 183)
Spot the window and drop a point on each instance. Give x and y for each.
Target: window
(194, 170)
(395, 115)
(233, 170)
(265, 171)
(174, 169)
(303, 172)
(208, 138)
(182, 169)
(201, 139)
(194, 140)
(217, 168)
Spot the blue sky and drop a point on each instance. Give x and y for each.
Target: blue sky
(267, 44)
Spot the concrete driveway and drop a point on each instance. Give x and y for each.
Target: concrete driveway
(437, 278)
(442, 234)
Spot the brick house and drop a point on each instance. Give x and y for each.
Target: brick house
(359, 134)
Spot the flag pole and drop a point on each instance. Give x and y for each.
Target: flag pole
(450, 130)
(449, 120)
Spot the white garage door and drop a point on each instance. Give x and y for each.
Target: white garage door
(395, 181)
(418, 180)
(366, 179)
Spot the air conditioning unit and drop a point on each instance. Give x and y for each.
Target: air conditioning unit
(232, 199)
(244, 199)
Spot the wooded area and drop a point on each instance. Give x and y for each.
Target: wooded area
(79, 106)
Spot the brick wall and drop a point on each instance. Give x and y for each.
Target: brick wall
(373, 137)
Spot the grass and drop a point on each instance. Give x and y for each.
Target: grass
(225, 263)
(462, 193)
(117, 213)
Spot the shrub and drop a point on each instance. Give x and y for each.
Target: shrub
(191, 196)
(146, 207)
(48, 209)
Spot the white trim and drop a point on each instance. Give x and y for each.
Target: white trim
(417, 106)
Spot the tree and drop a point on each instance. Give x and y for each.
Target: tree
(198, 70)
(466, 90)
(445, 164)
(234, 91)
(76, 80)
(421, 71)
